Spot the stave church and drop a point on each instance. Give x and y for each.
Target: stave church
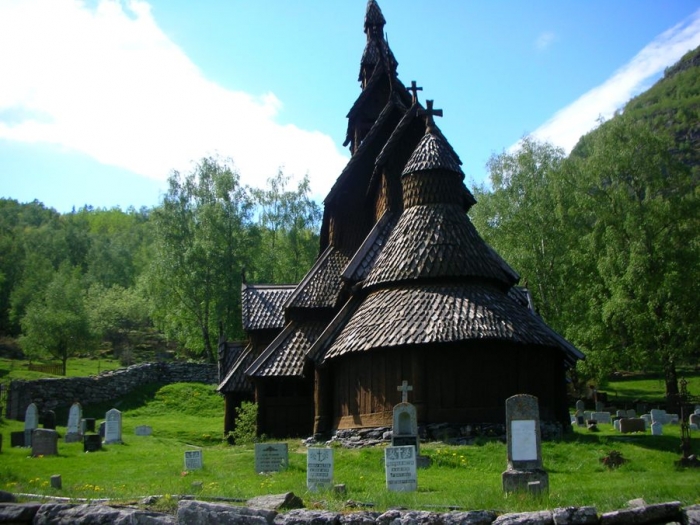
(403, 289)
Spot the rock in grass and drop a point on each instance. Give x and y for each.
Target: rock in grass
(471, 517)
(691, 515)
(276, 502)
(359, 518)
(195, 512)
(658, 513)
(575, 516)
(308, 517)
(543, 517)
(18, 512)
(61, 514)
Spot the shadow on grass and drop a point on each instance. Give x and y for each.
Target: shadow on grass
(137, 398)
(660, 443)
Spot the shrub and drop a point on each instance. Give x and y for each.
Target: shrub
(245, 431)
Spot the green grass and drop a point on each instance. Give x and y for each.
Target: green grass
(650, 389)
(11, 369)
(464, 476)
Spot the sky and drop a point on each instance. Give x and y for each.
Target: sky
(100, 100)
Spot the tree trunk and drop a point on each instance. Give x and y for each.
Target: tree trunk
(671, 379)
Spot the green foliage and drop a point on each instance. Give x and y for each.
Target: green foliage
(57, 324)
(245, 430)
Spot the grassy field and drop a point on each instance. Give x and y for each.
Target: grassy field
(650, 389)
(468, 477)
(11, 369)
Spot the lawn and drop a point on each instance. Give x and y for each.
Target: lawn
(467, 477)
(11, 369)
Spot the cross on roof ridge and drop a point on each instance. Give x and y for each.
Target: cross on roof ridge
(429, 113)
(414, 89)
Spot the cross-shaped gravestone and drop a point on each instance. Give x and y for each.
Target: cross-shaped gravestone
(405, 388)
(414, 89)
(429, 112)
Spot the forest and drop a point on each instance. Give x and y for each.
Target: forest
(606, 239)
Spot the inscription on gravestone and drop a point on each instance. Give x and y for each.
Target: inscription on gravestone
(271, 457)
(44, 442)
(194, 459)
(73, 428)
(113, 426)
(400, 469)
(319, 468)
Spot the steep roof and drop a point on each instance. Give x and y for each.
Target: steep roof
(441, 313)
(364, 258)
(322, 286)
(262, 305)
(235, 380)
(285, 356)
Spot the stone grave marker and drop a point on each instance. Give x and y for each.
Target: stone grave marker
(49, 419)
(631, 413)
(44, 442)
(319, 468)
(113, 427)
(143, 430)
(647, 420)
(599, 406)
(92, 442)
(31, 421)
(587, 415)
(271, 457)
(632, 424)
(621, 413)
(581, 405)
(400, 468)
(194, 459)
(73, 428)
(657, 429)
(658, 415)
(602, 417)
(101, 430)
(616, 424)
(405, 421)
(17, 439)
(694, 421)
(525, 471)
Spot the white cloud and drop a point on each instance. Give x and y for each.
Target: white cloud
(104, 80)
(567, 125)
(545, 40)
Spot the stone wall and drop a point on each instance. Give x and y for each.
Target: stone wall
(192, 512)
(53, 393)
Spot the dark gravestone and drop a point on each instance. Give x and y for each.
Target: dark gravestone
(17, 439)
(628, 425)
(89, 424)
(44, 442)
(92, 442)
(50, 420)
(102, 429)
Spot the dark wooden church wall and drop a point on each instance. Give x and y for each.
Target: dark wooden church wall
(232, 401)
(285, 406)
(453, 384)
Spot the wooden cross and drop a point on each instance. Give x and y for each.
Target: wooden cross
(405, 388)
(429, 112)
(413, 88)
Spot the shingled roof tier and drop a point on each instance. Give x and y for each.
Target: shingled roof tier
(423, 314)
(285, 356)
(433, 152)
(438, 241)
(262, 305)
(363, 260)
(322, 286)
(374, 16)
(235, 380)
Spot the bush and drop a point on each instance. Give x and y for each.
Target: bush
(245, 430)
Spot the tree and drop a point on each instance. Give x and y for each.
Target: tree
(288, 222)
(201, 247)
(642, 211)
(57, 324)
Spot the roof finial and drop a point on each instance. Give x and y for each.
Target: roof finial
(429, 113)
(414, 89)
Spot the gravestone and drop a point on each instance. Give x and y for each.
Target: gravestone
(113, 427)
(44, 442)
(92, 442)
(31, 421)
(271, 457)
(73, 430)
(524, 472)
(17, 439)
(143, 430)
(194, 459)
(631, 413)
(602, 417)
(632, 424)
(599, 406)
(658, 415)
(49, 418)
(616, 424)
(400, 468)
(580, 420)
(319, 468)
(647, 420)
(405, 421)
(581, 405)
(694, 419)
(89, 424)
(101, 430)
(657, 429)
(621, 413)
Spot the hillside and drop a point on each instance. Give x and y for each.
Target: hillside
(671, 104)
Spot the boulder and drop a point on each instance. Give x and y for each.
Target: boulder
(543, 517)
(276, 502)
(658, 513)
(308, 517)
(575, 516)
(195, 512)
(18, 512)
(472, 517)
(62, 514)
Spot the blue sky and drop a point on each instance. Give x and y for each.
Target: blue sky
(101, 99)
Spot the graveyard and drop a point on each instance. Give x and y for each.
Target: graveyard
(168, 433)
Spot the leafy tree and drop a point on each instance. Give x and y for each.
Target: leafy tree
(201, 246)
(288, 222)
(56, 323)
(642, 212)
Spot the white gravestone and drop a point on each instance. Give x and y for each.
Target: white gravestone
(194, 459)
(143, 430)
(524, 439)
(647, 420)
(73, 430)
(657, 429)
(319, 468)
(271, 457)
(602, 417)
(113, 427)
(31, 421)
(400, 468)
(658, 415)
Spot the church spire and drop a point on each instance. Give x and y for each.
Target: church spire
(377, 49)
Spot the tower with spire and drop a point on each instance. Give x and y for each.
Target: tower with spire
(404, 288)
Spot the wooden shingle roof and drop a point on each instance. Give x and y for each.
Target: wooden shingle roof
(235, 380)
(262, 305)
(285, 356)
(322, 286)
(433, 152)
(441, 313)
(438, 241)
(364, 258)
